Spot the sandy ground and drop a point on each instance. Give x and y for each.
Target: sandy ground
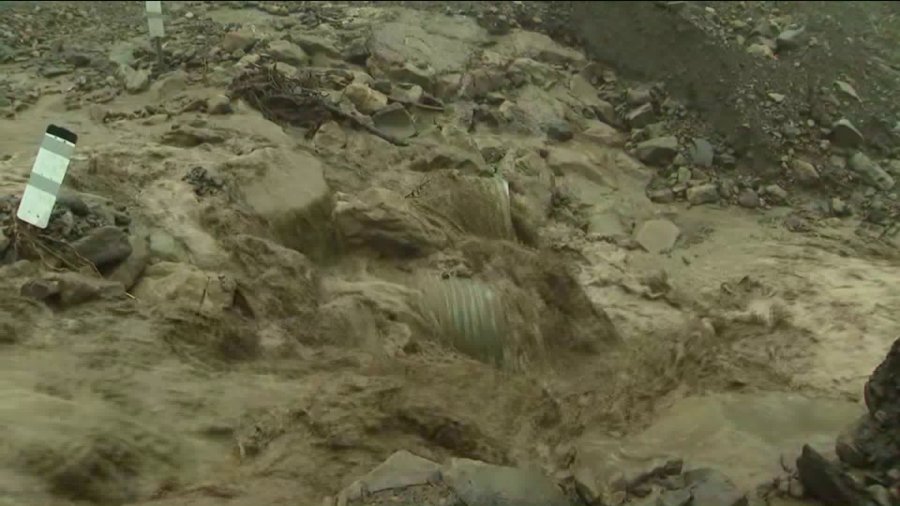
(742, 342)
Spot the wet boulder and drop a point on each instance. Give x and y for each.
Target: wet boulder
(485, 484)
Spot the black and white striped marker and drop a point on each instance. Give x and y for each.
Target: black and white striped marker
(155, 19)
(47, 175)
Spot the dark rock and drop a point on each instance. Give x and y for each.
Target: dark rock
(711, 488)
(104, 246)
(488, 485)
(658, 151)
(826, 482)
(641, 116)
(703, 194)
(73, 202)
(845, 135)
(560, 131)
(383, 85)
(701, 153)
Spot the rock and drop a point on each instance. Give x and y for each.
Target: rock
(277, 283)
(560, 131)
(790, 39)
(400, 470)
(288, 189)
(484, 484)
(748, 198)
(171, 85)
(657, 236)
(893, 168)
(330, 137)
(234, 41)
(845, 135)
(136, 81)
(658, 151)
(703, 194)
(395, 120)
(606, 112)
(701, 153)
(638, 96)
(186, 286)
(288, 52)
(662, 196)
(675, 498)
(711, 488)
(73, 202)
(165, 247)
(129, 271)
(804, 171)
(104, 246)
(776, 193)
(839, 207)
(683, 175)
(365, 99)
(847, 90)
(70, 288)
(409, 93)
(314, 44)
(384, 221)
(761, 50)
(846, 447)
(219, 104)
(777, 97)
(871, 172)
(641, 116)
(603, 134)
(98, 113)
(55, 71)
(827, 483)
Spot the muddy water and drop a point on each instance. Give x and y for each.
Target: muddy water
(744, 435)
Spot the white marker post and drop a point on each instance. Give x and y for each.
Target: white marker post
(47, 175)
(157, 31)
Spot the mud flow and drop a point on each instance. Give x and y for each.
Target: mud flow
(450, 253)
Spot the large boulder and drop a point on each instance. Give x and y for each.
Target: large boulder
(186, 287)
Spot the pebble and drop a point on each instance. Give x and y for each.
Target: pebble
(703, 194)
